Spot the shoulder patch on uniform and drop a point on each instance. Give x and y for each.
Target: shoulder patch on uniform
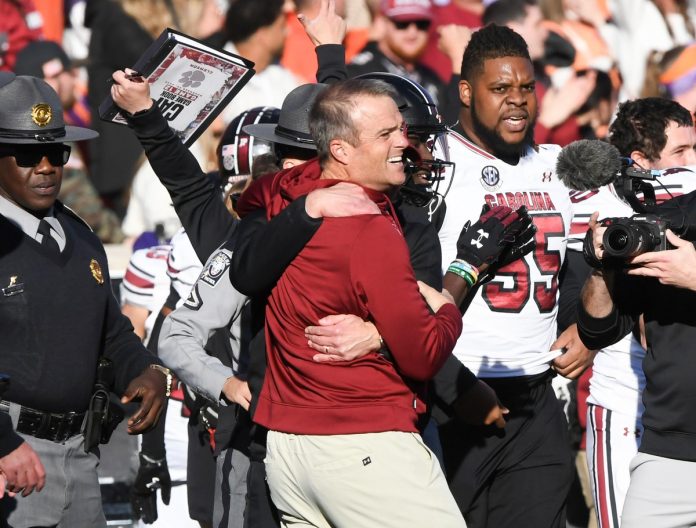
(193, 301)
(362, 58)
(216, 268)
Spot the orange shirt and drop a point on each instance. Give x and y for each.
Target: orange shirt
(299, 56)
(53, 19)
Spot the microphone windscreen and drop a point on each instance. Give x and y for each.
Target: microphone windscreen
(588, 164)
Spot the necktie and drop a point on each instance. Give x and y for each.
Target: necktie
(47, 241)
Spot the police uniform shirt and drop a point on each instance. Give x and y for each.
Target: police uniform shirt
(29, 224)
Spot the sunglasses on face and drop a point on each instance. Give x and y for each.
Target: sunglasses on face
(31, 155)
(422, 25)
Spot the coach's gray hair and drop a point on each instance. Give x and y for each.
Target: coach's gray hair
(331, 115)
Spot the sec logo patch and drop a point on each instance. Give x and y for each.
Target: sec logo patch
(490, 178)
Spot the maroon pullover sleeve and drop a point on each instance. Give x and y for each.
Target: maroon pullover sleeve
(381, 273)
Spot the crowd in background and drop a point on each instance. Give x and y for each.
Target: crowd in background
(589, 55)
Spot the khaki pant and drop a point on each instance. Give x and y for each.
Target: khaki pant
(661, 493)
(379, 480)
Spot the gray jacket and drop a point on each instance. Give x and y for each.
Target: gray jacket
(212, 304)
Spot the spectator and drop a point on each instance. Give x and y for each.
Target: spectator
(121, 31)
(465, 13)
(257, 31)
(400, 48)
(669, 24)
(671, 74)
(20, 24)
(298, 52)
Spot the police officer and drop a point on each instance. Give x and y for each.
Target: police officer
(58, 317)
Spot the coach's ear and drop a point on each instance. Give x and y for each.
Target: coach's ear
(340, 150)
(465, 93)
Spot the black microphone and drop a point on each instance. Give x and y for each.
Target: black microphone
(588, 164)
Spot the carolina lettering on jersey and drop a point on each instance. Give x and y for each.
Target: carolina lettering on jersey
(522, 297)
(533, 201)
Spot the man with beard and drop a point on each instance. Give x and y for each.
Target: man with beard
(509, 336)
(406, 25)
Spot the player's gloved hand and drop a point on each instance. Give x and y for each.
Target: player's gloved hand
(523, 241)
(152, 475)
(497, 230)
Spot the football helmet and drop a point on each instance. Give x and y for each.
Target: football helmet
(424, 173)
(237, 149)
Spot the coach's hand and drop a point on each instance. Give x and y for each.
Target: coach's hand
(342, 337)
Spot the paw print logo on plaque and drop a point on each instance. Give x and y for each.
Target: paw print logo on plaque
(192, 79)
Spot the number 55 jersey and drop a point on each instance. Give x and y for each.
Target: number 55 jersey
(511, 322)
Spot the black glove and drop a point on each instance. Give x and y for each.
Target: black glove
(152, 474)
(496, 232)
(522, 242)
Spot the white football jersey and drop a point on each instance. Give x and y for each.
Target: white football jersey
(511, 322)
(617, 374)
(146, 283)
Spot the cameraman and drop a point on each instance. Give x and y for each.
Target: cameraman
(611, 302)
(657, 134)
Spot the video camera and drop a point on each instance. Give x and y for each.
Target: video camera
(629, 237)
(646, 231)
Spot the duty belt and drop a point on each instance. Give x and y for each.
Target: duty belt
(57, 427)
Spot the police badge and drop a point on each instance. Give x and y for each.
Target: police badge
(41, 114)
(96, 270)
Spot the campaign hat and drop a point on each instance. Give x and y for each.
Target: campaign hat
(293, 123)
(31, 113)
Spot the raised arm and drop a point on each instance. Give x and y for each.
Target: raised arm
(196, 200)
(327, 31)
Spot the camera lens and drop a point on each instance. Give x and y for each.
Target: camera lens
(626, 240)
(617, 240)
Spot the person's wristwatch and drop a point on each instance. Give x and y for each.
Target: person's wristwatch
(168, 374)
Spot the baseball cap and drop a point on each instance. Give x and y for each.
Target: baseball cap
(405, 10)
(32, 58)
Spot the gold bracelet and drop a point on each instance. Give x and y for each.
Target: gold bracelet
(168, 374)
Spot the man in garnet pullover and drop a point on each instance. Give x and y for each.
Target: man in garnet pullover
(354, 265)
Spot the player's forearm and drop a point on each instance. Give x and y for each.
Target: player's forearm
(596, 297)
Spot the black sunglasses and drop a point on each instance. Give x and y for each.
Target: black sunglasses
(422, 25)
(31, 155)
